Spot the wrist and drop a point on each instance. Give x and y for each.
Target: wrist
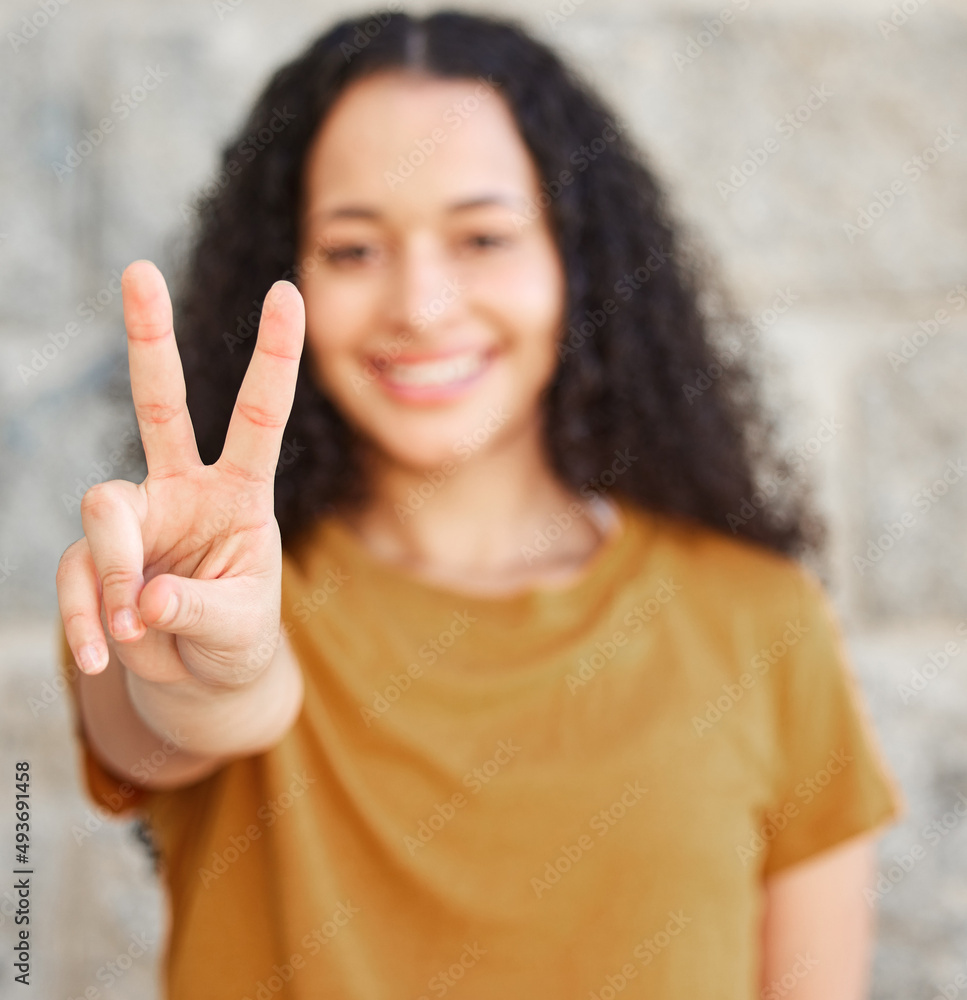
(237, 720)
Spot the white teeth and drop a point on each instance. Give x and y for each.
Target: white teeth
(452, 369)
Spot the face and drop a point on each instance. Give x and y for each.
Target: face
(434, 291)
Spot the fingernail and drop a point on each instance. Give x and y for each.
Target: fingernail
(91, 658)
(124, 625)
(276, 295)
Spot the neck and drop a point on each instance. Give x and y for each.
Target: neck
(476, 520)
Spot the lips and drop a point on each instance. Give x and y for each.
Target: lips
(437, 371)
(434, 377)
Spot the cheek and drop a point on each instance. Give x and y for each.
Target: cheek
(531, 302)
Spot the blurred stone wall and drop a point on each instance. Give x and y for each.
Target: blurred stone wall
(819, 147)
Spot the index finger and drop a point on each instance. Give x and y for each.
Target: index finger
(157, 378)
(264, 401)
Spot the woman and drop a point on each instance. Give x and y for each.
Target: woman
(514, 690)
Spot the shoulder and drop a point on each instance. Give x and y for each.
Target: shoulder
(723, 574)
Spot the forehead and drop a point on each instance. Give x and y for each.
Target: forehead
(400, 141)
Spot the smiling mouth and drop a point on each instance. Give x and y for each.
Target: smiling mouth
(436, 372)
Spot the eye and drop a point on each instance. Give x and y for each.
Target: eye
(348, 253)
(482, 241)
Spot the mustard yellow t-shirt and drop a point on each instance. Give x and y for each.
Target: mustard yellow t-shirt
(571, 792)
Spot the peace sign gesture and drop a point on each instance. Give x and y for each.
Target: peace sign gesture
(182, 572)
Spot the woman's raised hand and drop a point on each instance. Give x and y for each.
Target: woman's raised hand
(181, 573)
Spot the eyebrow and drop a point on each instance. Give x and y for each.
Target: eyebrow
(364, 212)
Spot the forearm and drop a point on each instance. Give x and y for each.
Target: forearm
(164, 735)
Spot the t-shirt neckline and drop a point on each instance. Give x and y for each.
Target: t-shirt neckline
(593, 570)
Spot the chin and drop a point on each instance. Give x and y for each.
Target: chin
(422, 453)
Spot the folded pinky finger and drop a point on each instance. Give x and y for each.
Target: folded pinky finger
(79, 600)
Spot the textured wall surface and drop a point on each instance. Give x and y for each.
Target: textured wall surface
(821, 150)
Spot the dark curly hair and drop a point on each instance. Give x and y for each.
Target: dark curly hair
(639, 369)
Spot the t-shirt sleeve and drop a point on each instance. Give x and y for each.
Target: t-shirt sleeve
(833, 781)
(114, 794)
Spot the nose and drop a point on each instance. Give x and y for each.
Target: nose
(424, 294)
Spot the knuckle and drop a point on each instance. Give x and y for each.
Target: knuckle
(239, 472)
(73, 550)
(258, 415)
(192, 610)
(99, 499)
(157, 413)
(72, 619)
(118, 577)
(66, 564)
(151, 327)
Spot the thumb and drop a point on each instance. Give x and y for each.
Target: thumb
(220, 613)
